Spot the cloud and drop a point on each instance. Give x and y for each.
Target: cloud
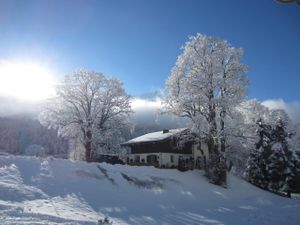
(146, 104)
(292, 108)
(10, 106)
(146, 113)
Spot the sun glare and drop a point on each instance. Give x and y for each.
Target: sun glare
(26, 81)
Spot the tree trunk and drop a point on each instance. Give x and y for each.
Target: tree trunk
(213, 148)
(88, 146)
(223, 165)
(222, 125)
(217, 166)
(217, 170)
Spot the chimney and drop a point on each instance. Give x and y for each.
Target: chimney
(165, 131)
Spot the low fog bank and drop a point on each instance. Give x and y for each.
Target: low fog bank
(11, 107)
(146, 117)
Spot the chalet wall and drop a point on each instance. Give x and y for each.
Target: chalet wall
(168, 146)
(164, 159)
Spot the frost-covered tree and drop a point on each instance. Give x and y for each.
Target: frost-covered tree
(206, 84)
(243, 135)
(278, 167)
(256, 165)
(296, 138)
(272, 164)
(88, 107)
(117, 130)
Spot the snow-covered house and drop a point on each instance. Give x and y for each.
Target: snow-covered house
(165, 149)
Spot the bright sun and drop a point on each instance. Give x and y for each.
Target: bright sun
(26, 81)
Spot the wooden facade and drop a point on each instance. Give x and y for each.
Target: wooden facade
(165, 146)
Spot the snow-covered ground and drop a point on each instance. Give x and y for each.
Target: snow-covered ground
(56, 191)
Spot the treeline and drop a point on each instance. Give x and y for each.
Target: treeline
(22, 135)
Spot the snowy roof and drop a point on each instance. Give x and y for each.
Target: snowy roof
(155, 136)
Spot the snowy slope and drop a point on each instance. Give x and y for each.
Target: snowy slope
(56, 191)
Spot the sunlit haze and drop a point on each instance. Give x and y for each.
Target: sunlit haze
(26, 80)
(139, 103)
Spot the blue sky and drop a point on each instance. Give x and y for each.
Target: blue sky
(138, 41)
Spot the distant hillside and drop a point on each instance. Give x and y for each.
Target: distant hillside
(19, 133)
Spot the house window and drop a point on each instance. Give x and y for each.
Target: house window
(152, 159)
(137, 159)
(172, 158)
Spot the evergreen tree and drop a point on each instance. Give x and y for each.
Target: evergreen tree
(272, 165)
(277, 162)
(256, 165)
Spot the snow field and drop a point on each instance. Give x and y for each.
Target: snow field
(57, 191)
